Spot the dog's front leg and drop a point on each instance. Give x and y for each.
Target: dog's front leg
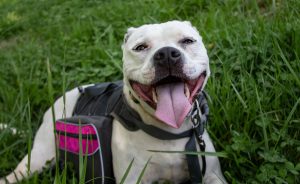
(44, 143)
(42, 151)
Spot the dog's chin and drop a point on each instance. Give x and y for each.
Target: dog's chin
(171, 97)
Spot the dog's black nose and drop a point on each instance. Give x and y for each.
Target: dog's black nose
(167, 57)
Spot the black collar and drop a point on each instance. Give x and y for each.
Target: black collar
(131, 120)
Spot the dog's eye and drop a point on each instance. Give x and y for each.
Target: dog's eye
(141, 47)
(187, 41)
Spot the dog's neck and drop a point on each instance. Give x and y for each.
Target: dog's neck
(149, 118)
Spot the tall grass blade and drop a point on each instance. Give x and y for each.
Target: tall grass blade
(216, 154)
(29, 137)
(286, 122)
(81, 174)
(296, 77)
(51, 100)
(126, 172)
(239, 96)
(143, 171)
(64, 173)
(263, 121)
(82, 158)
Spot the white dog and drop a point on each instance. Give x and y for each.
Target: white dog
(164, 65)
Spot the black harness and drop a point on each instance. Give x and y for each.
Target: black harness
(94, 97)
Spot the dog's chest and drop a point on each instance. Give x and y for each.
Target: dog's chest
(128, 145)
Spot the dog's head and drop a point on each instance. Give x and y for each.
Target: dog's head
(165, 66)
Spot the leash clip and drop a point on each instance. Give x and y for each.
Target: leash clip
(196, 116)
(198, 119)
(201, 142)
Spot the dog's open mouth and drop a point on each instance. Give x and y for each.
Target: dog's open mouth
(171, 97)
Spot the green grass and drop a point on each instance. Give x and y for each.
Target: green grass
(254, 50)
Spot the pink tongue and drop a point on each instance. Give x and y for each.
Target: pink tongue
(173, 105)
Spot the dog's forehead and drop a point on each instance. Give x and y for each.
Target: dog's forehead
(169, 30)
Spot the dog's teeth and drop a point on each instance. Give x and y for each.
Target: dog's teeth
(154, 96)
(187, 91)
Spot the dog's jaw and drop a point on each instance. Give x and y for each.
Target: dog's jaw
(146, 112)
(173, 100)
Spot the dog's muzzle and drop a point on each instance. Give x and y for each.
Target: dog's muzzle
(168, 61)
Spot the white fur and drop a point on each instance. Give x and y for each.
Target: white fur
(128, 145)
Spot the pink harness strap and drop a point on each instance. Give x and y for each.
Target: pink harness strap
(74, 129)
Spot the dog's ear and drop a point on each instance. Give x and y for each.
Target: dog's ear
(188, 23)
(127, 35)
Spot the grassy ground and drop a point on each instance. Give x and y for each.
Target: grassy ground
(254, 49)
